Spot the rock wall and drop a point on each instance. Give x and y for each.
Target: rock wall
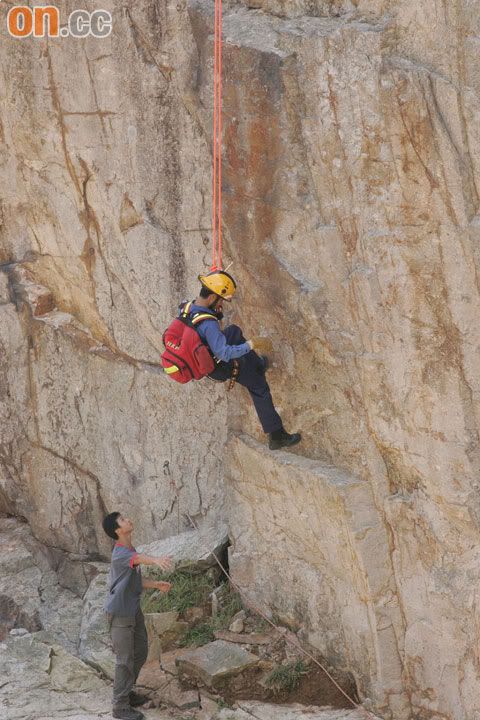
(104, 228)
(353, 164)
(351, 215)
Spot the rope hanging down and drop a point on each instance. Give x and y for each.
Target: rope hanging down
(217, 141)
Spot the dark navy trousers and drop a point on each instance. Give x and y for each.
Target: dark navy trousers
(252, 376)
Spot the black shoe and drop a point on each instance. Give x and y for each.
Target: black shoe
(282, 439)
(128, 714)
(135, 699)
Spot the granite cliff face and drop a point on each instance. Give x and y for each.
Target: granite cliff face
(352, 156)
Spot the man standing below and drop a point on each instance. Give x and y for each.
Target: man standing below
(129, 635)
(236, 359)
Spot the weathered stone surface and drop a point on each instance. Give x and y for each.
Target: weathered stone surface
(215, 662)
(30, 596)
(352, 157)
(328, 538)
(4, 292)
(89, 218)
(247, 710)
(237, 625)
(192, 549)
(95, 646)
(164, 687)
(69, 674)
(39, 679)
(163, 629)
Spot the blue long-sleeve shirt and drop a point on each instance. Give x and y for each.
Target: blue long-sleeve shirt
(210, 333)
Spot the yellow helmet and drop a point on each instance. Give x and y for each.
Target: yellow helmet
(220, 283)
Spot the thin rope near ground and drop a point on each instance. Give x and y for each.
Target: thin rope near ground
(368, 715)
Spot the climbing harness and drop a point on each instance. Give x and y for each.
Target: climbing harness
(235, 374)
(217, 141)
(185, 356)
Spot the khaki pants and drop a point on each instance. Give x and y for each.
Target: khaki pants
(130, 645)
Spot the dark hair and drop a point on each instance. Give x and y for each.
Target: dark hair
(205, 292)
(110, 525)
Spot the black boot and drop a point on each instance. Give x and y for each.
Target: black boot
(128, 714)
(282, 439)
(135, 699)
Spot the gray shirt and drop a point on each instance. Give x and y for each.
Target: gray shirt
(125, 583)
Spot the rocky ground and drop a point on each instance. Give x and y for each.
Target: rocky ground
(56, 660)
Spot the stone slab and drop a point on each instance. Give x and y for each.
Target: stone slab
(265, 711)
(215, 662)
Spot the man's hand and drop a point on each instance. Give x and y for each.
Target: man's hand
(164, 563)
(261, 345)
(162, 585)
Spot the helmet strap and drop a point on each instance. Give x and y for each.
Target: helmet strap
(213, 307)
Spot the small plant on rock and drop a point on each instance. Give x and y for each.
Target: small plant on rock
(205, 632)
(286, 678)
(198, 635)
(222, 704)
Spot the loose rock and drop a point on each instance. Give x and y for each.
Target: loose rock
(215, 662)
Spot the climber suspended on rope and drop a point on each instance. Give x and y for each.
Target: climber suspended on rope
(196, 347)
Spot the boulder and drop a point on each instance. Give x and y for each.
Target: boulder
(192, 550)
(69, 674)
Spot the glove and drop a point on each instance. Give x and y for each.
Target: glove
(261, 345)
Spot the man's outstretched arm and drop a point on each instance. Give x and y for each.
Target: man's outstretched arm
(164, 563)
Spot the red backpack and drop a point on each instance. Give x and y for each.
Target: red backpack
(185, 356)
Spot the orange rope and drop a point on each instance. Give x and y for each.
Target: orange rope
(214, 174)
(217, 141)
(220, 133)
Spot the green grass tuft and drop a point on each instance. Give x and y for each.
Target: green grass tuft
(286, 678)
(204, 633)
(198, 635)
(188, 590)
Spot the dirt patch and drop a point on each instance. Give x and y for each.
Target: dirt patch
(314, 688)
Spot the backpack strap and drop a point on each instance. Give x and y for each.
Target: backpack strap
(185, 310)
(200, 317)
(197, 318)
